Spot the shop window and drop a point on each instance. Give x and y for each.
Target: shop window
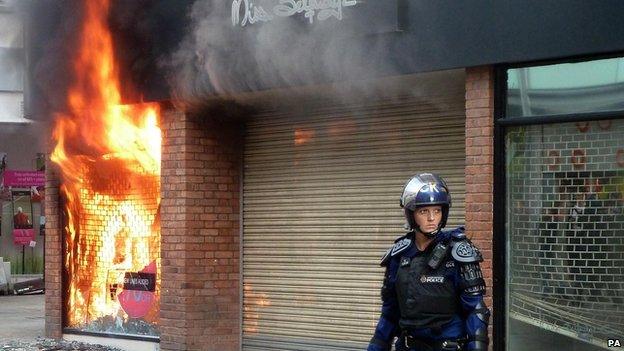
(565, 229)
(11, 69)
(567, 88)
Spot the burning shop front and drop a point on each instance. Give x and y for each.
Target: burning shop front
(105, 224)
(142, 235)
(236, 223)
(249, 207)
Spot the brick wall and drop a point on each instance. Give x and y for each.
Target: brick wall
(53, 254)
(201, 164)
(566, 185)
(480, 165)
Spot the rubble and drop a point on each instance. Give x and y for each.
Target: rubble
(117, 325)
(43, 344)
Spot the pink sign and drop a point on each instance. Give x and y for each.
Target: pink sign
(24, 179)
(137, 303)
(23, 236)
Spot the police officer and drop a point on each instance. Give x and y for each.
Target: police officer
(433, 288)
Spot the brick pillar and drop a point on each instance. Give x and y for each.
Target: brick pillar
(480, 166)
(201, 165)
(53, 254)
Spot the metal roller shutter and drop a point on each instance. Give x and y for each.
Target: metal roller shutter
(320, 207)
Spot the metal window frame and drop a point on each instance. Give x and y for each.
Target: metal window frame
(500, 239)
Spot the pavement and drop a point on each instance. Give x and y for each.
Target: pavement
(527, 337)
(21, 317)
(22, 329)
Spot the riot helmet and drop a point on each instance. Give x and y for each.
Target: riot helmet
(425, 189)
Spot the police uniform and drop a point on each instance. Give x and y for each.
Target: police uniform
(432, 299)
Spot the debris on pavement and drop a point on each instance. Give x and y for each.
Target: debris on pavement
(32, 286)
(44, 344)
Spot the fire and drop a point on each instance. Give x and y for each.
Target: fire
(109, 157)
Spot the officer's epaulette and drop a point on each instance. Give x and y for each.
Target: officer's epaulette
(401, 244)
(464, 251)
(458, 233)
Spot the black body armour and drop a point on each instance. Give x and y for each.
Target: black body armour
(427, 297)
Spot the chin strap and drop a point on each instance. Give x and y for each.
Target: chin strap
(430, 234)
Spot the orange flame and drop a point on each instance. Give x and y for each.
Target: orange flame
(109, 156)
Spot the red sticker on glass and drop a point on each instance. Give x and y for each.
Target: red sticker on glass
(554, 160)
(605, 124)
(582, 126)
(578, 158)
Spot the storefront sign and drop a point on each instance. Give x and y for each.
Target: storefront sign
(23, 236)
(246, 12)
(23, 179)
(139, 281)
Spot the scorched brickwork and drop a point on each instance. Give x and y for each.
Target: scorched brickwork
(200, 306)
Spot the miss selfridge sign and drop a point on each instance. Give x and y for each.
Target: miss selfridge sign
(245, 12)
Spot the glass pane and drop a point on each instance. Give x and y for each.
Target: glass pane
(565, 224)
(11, 29)
(594, 86)
(11, 69)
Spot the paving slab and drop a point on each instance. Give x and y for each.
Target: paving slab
(21, 317)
